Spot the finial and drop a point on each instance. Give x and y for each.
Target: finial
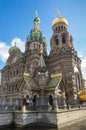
(59, 14)
(15, 40)
(36, 13)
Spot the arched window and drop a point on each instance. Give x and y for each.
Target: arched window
(34, 100)
(34, 45)
(62, 28)
(51, 100)
(59, 28)
(56, 41)
(56, 28)
(63, 39)
(17, 72)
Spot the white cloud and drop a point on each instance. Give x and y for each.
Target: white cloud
(4, 51)
(19, 43)
(82, 55)
(83, 66)
(4, 48)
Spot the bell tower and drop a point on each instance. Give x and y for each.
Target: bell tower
(64, 55)
(61, 36)
(33, 44)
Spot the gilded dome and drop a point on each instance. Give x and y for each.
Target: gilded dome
(82, 96)
(59, 19)
(12, 49)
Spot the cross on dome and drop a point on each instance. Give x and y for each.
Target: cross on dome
(59, 14)
(36, 13)
(15, 40)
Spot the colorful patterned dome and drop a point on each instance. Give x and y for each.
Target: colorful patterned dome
(35, 35)
(13, 49)
(36, 19)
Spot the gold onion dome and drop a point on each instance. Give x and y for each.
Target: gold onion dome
(82, 95)
(59, 19)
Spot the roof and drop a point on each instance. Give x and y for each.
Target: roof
(30, 81)
(82, 96)
(54, 82)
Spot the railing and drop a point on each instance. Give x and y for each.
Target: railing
(42, 107)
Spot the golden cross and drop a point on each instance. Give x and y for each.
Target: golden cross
(15, 40)
(59, 14)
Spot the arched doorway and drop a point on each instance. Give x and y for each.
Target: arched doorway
(51, 100)
(34, 100)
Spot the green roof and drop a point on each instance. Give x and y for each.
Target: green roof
(30, 82)
(54, 82)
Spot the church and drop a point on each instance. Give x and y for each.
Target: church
(36, 79)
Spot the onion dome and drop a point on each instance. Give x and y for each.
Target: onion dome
(13, 49)
(59, 19)
(36, 19)
(82, 95)
(36, 35)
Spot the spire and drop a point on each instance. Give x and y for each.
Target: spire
(36, 21)
(36, 13)
(59, 14)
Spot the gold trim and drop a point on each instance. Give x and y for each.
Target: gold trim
(27, 74)
(50, 88)
(56, 75)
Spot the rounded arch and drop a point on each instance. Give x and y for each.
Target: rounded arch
(35, 94)
(50, 99)
(49, 95)
(63, 38)
(25, 94)
(56, 40)
(35, 99)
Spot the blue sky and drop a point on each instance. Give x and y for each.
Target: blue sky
(16, 20)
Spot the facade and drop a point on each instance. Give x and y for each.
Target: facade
(38, 80)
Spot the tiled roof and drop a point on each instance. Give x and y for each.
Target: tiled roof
(30, 82)
(54, 82)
